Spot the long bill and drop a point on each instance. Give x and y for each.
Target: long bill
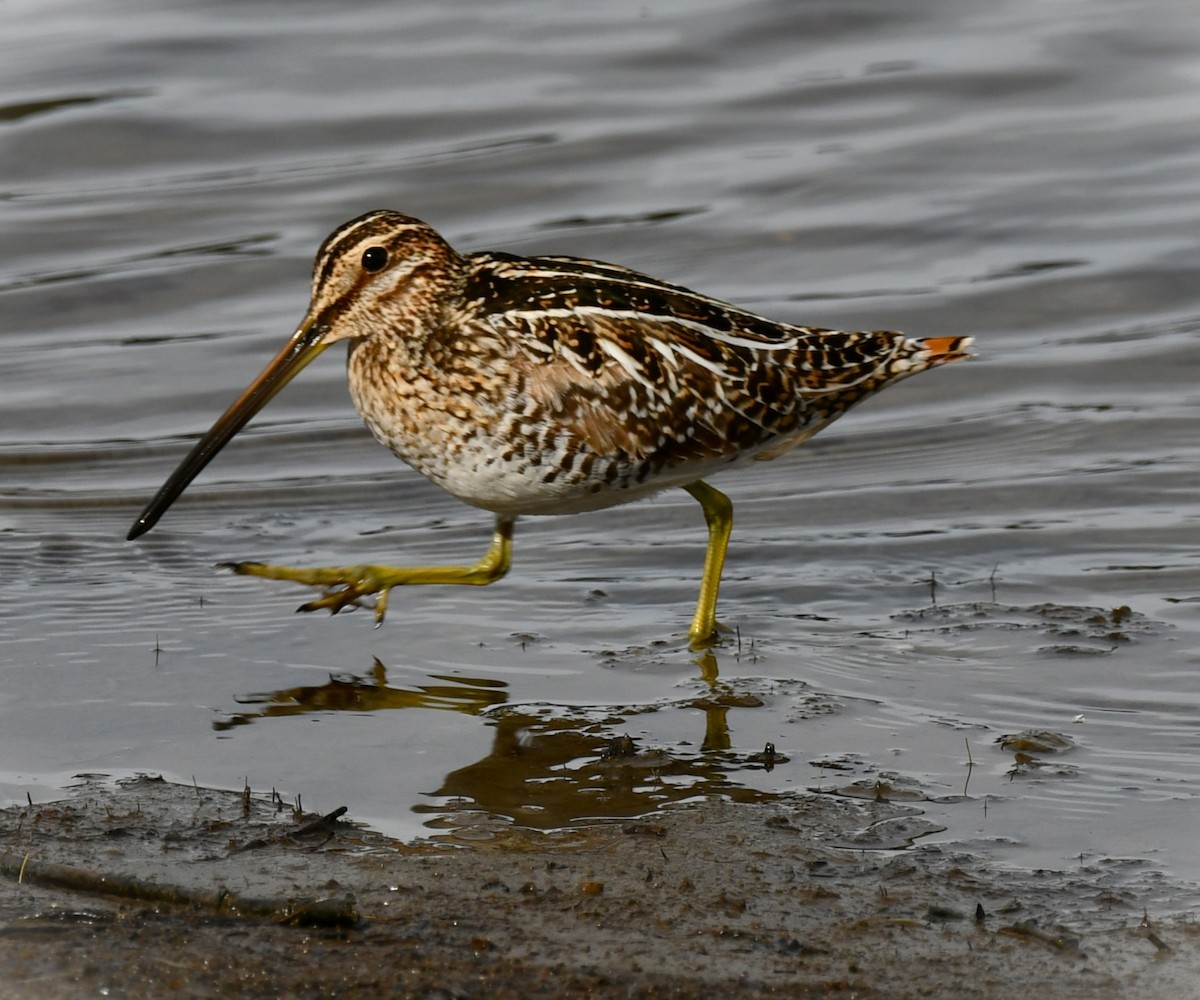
(305, 344)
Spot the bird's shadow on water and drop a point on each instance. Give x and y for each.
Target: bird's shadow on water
(549, 765)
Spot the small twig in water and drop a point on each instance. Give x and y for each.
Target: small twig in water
(324, 824)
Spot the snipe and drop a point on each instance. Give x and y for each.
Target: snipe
(552, 385)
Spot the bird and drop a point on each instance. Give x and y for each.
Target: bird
(552, 385)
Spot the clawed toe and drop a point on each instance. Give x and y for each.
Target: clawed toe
(338, 599)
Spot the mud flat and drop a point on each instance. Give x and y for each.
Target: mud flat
(144, 888)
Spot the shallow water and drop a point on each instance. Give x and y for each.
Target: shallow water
(946, 566)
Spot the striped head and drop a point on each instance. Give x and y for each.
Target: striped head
(381, 274)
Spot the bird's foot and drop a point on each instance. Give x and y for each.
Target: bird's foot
(350, 596)
(348, 586)
(343, 586)
(707, 637)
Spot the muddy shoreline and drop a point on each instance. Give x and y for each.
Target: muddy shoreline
(194, 892)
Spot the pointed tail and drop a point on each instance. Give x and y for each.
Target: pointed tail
(942, 350)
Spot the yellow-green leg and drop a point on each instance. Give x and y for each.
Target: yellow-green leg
(347, 585)
(718, 512)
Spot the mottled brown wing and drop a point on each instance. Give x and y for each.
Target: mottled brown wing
(655, 389)
(649, 371)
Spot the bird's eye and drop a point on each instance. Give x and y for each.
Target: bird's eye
(374, 259)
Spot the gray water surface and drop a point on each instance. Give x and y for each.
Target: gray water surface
(999, 546)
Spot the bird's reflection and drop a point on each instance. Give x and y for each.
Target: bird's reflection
(548, 766)
(371, 692)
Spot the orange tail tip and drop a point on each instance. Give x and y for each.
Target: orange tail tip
(943, 349)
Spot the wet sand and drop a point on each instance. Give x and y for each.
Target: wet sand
(146, 888)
